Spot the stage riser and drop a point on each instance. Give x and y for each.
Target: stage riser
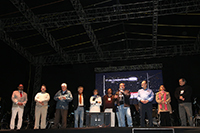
(111, 130)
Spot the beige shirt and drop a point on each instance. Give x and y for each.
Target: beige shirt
(42, 97)
(17, 98)
(168, 100)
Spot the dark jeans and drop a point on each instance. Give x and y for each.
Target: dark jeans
(145, 108)
(63, 113)
(165, 119)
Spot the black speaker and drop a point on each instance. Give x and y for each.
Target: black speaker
(98, 119)
(197, 121)
(107, 119)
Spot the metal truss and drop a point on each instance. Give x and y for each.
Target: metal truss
(128, 68)
(126, 54)
(37, 84)
(16, 46)
(197, 42)
(155, 25)
(105, 14)
(35, 22)
(82, 16)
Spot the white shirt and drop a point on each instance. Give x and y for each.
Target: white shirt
(94, 105)
(42, 97)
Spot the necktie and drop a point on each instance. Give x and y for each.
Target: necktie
(80, 99)
(20, 94)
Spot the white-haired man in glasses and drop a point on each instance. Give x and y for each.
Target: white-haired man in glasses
(63, 97)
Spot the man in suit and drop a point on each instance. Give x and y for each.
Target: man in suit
(79, 105)
(19, 99)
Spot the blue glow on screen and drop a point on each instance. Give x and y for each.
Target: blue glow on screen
(132, 80)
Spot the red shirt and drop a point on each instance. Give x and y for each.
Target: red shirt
(108, 101)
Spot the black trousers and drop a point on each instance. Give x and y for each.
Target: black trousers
(145, 108)
(63, 113)
(165, 119)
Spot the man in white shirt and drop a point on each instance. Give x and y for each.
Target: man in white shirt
(95, 102)
(41, 107)
(19, 99)
(145, 98)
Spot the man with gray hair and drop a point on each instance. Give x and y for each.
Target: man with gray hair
(79, 104)
(63, 97)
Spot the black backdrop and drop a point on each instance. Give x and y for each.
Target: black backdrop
(14, 69)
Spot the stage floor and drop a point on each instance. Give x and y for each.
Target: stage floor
(113, 130)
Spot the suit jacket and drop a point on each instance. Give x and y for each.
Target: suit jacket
(76, 100)
(17, 98)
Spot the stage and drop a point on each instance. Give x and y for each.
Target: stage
(114, 130)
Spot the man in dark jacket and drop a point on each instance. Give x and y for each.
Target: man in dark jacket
(183, 96)
(79, 104)
(63, 97)
(124, 106)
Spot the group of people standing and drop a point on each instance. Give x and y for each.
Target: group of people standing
(117, 104)
(19, 99)
(183, 95)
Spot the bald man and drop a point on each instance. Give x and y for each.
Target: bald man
(145, 98)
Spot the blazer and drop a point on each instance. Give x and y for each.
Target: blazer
(76, 100)
(168, 100)
(17, 98)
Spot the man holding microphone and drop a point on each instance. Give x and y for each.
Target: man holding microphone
(124, 106)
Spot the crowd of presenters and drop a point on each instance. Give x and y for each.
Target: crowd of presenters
(117, 104)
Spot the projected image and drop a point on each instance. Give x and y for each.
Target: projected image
(132, 80)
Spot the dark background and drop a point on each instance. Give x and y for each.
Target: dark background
(14, 69)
